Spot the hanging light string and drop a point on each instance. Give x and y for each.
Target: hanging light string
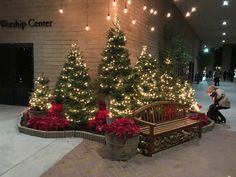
(60, 9)
(108, 10)
(144, 6)
(114, 3)
(87, 6)
(134, 20)
(188, 13)
(194, 7)
(125, 9)
(168, 15)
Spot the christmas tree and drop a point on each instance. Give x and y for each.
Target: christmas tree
(73, 88)
(186, 94)
(167, 81)
(114, 73)
(40, 98)
(145, 76)
(174, 88)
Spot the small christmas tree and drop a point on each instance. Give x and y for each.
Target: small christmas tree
(186, 95)
(73, 88)
(114, 73)
(167, 82)
(40, 98)
(145, 76)
(174, 88)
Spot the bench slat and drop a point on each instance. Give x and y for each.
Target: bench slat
(170, 126)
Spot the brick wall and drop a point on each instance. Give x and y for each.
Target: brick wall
(51, 44)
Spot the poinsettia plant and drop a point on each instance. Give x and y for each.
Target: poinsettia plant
(53, 121)
(123, 128)
(99, 123)
(48, 123)
(203, 117)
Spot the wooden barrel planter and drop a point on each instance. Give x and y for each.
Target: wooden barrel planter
(121, 148)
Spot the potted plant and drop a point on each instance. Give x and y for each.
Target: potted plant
(122, 138)
(40, 99)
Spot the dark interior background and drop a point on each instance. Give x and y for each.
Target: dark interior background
(16, 73)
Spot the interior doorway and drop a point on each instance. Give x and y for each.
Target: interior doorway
(16, 73)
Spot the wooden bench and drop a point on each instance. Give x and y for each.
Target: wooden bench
(165, 120)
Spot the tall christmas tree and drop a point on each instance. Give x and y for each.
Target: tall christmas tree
(73, 88)
(114, 72)
(40, 98)
(145, 76)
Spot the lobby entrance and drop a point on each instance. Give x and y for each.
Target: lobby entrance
(16, 73)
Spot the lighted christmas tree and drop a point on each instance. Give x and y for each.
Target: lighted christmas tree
(166, 81)
(114, 72)
(174, 88)
(145, 76)
(186, 94)
(40, 98)
(73, 88)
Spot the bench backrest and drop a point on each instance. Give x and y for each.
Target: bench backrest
(161, 111)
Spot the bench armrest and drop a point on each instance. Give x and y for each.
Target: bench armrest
(145, 122)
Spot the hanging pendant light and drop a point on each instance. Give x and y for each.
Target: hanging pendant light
(108, 10)
(87, 28)
(61, 9)
(114, 3)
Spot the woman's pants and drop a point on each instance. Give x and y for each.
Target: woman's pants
(215, 114)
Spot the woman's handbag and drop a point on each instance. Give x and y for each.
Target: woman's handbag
(224, 102)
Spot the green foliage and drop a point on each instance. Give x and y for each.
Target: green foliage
(176, 89)
(185, 93)
(146, 79)
(40, 98)
(176, 50)
(73, 88)
(114, 72)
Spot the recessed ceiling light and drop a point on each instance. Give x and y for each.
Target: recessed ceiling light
(223, 33)
(187, 14)
(193, 9)
(206, 50)
(224, 23)
(168, 15)
(225, 3)
(223, 41)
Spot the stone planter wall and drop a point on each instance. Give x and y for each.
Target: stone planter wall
(80, 134)
(62, 134)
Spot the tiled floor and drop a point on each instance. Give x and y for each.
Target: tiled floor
(213, 156)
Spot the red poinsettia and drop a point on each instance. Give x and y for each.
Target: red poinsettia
(203, 117)
(123, 127)
(48, 123)
(99, 123)
(56, 109)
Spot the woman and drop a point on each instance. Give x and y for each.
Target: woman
(220, 101)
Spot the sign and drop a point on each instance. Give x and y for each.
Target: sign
(21, 24)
